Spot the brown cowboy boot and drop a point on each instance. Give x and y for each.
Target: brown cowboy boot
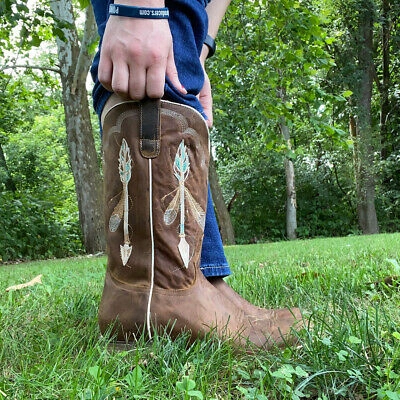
(155, 171)
(277, 317)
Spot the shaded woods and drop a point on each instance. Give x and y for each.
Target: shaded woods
(305, 142)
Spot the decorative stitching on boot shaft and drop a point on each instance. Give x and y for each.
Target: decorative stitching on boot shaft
(181, 170)
(121, 210)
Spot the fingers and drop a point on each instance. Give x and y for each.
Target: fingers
(119, 80)
(105, 72)
(136, 82)
(122, 71)
(205, 98)
(154, 77)
(136, 58)
(172, 73)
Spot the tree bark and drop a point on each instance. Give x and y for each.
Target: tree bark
(385, 103)
(291, 199)
(365, 146)
(224, 219)
(82, 152)
(9, 182)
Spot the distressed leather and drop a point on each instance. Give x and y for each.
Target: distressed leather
(182, 299)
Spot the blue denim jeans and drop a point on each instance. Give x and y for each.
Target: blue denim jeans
(188, 23)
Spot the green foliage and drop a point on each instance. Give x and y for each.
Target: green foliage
(388, 193)
(275, 70)
(31, 229)
(29, 24)
(326, 205)
(257, 198)
(255, 187)
(136, 382)
(40, 216)
(38, 159)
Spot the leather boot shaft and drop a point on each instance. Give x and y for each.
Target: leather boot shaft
(165, 198)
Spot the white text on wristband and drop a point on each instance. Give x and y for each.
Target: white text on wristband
(138, 12)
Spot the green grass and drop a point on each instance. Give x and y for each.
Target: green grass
(50, 347)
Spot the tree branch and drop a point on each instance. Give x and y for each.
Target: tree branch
(84, 60)
(15, 66)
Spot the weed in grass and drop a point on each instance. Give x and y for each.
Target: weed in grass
(99, 389)
(186, 388)
(136, 382)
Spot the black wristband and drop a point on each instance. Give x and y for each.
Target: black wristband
(123, 10)
(210, 43)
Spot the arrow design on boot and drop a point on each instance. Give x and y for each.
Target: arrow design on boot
(124, 168)
(177, 204)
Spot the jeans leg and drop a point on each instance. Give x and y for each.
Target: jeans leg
(213, 261)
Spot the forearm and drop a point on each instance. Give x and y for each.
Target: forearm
(216, 10)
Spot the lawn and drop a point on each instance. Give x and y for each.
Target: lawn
(50, 346)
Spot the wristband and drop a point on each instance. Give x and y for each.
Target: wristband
(210, 43)
(122, 10)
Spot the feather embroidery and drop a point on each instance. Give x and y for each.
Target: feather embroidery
(172, 211)
(116, 216)
(177, 204)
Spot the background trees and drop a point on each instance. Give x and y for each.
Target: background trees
(45, 24)
(272, 102)
(74, 59)
(306, 139)
(307, 70)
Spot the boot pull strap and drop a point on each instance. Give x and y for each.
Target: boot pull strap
(150, 139)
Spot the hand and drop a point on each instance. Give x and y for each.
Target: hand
(136, 55)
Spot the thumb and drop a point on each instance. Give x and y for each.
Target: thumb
(205, 98)
(172, 73)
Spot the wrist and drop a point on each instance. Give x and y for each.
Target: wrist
(204, 54)
(210, 43)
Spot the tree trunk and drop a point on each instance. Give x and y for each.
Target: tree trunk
(9, 182)
(291, 202)
(385, 103)
(364, 168)
(224, 219)
(82, 151)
